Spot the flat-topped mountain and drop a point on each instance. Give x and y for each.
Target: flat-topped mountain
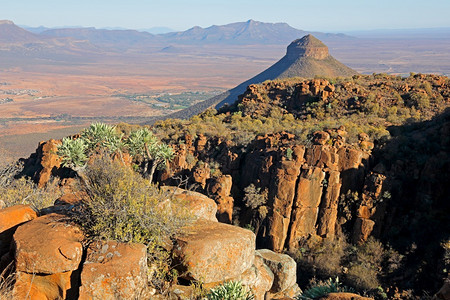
(11, 33)
(306, 57)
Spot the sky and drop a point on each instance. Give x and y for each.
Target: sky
(323, 15)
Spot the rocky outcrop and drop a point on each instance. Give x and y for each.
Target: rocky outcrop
(44, 163)
(304, 186)
(282, 198)
(304, 183)
(219, 188)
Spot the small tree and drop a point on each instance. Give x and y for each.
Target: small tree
(154, 153)
(73, 153)
(102, 136)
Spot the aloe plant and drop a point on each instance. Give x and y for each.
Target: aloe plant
(155, 153)
(102, 136)
(73, 153)
(232, 290)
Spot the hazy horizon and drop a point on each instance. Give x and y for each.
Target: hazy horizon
(327, 15)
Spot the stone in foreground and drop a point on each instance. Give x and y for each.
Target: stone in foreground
(214, 252)
(114, 270)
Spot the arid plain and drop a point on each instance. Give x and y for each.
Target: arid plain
(52, 96)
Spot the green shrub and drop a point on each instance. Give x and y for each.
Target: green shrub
(102, 136)
(121, 205)
(289, 153)
(73, 153)
(420, 100)
(321, 258)
(323, 288)
(255, 197)
(145, 144)
(233, 290)
(365, 265)
(24, 190)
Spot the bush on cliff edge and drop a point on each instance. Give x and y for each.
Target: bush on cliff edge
(121, 205)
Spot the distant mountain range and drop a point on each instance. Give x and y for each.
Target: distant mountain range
(241, 33)
(250, 32)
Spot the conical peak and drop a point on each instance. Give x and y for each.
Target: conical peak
(307, 46)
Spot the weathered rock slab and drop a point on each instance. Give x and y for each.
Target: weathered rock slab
(15, 215)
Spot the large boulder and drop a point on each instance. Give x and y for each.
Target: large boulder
(53, 286)
(15, 215)
(10, 218)
(213, 252)
(283, 267)
(47, 245)
(114, 270)
(195, 203)
(48, 252)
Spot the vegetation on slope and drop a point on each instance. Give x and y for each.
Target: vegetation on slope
(363, 103)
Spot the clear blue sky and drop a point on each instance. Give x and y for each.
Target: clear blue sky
(323, 15)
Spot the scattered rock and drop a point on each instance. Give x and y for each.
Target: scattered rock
(321, 137)
(362, 229)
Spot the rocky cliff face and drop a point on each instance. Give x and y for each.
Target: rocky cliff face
(303, 183)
